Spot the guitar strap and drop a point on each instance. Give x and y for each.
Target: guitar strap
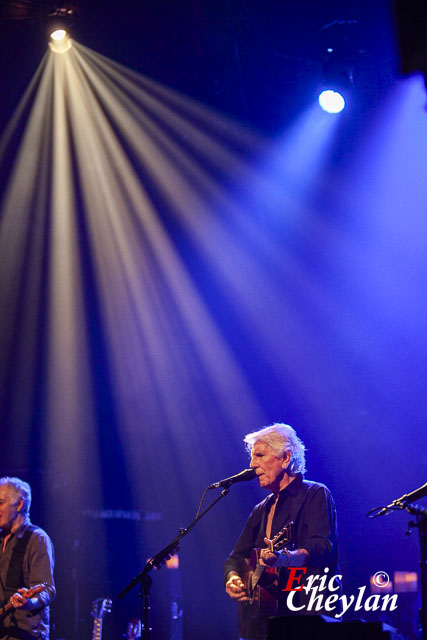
(15, 577)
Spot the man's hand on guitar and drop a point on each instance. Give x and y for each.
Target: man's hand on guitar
(283, 558)
(19, 601)
(235, 588)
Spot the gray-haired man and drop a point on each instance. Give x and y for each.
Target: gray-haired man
(278, 458)
(26, 561)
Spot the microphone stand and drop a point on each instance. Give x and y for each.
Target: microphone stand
(420, 523)
(143, 578)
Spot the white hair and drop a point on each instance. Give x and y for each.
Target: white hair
(280, 438)
(19, 489)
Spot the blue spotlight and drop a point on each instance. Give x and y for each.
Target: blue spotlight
(331, 101)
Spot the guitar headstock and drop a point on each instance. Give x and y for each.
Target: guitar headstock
(283, 538)
(100, 607)
(134, 629)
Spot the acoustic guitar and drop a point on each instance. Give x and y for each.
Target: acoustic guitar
(32, 591)
(261, 585)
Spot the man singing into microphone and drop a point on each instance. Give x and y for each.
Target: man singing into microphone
(278, 458)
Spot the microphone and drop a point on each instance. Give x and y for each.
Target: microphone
(419, 493)
(246, 474)
(399, 503)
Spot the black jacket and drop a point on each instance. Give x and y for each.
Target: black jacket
(312, 509)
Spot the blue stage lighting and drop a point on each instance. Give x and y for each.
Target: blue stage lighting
(331, 101)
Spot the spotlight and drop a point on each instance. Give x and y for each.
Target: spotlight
(339, 50)
(58, 34)
(60, 41)
(331, 101)
(59, 23)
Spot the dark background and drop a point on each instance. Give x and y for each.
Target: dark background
(336, 346)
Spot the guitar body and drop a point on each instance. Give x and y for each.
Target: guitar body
(253, 615)
(261, 585)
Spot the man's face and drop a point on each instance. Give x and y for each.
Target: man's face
(9, 508)
(269, 468)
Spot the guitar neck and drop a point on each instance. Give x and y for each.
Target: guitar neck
(100, 607)
(97, 629)
(29, 594)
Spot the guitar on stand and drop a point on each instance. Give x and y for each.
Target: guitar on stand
(100, 607)
(133, 631)
(261, 585)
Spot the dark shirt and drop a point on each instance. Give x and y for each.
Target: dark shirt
(311, 507)
(37, 567)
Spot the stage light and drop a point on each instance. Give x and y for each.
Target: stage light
(331, 101)
(58, 34)
(58, 28)
(60, 41)
(339, 50)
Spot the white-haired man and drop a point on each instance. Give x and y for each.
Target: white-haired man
(278, 458)
(26, 560)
